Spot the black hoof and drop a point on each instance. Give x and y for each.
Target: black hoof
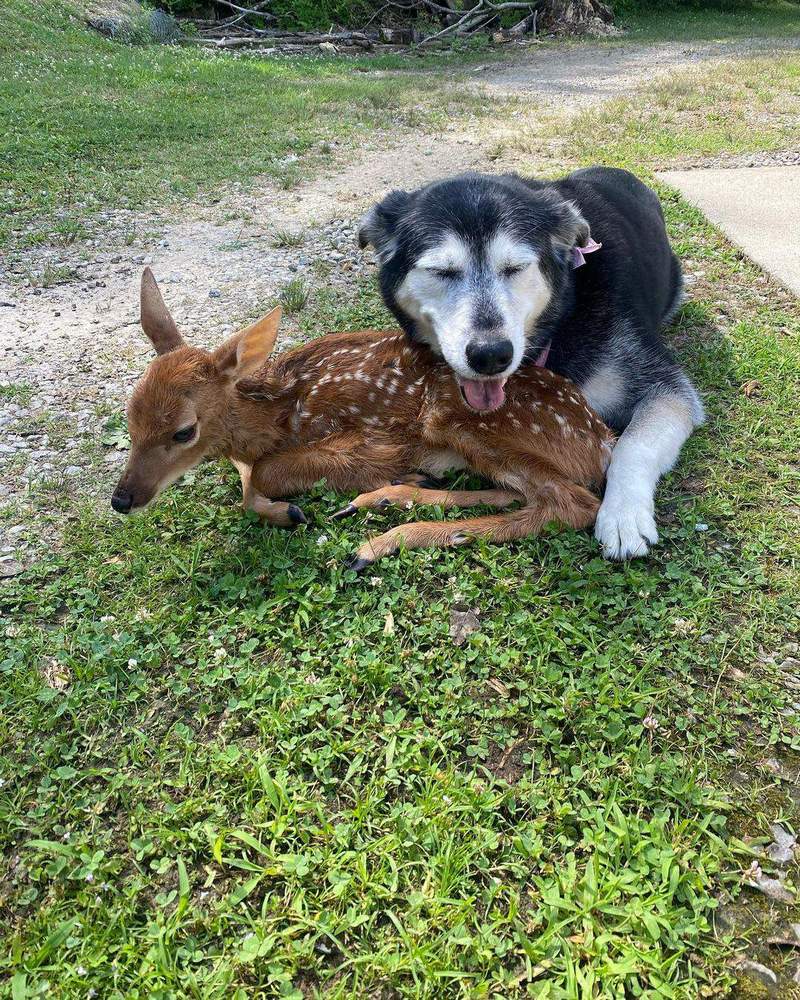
(344, 512)
(357, 563)
(296, 516)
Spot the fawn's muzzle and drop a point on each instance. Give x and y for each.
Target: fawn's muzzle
(122, 501)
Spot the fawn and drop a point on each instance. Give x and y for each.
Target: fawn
(366, 411)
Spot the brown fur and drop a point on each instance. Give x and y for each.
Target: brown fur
(361, 410)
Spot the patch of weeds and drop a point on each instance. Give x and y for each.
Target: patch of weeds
(294, 296)
(16, 392)
(68, 231)
(115, 432)
(287, 177)
(287, 239)
(50, 275)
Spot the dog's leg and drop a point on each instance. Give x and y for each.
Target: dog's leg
(648, 448)
(401, 495)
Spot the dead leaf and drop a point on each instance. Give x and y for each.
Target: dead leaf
(782, 847)
(55, 675)
(751, 387)
(761, 973)
(789, 938)
(388, 625)
(771, 887)
(463, 622)
(498, 686)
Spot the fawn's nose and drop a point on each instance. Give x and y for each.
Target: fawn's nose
(489, 358)
(122, 501)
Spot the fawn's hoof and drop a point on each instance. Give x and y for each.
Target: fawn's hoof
(357, 563)
(344, 512)
(296, 516)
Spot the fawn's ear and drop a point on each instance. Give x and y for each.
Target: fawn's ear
(246, 351)
(156, 320)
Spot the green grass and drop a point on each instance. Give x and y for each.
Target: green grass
(710, 19)
(745, 105)
(87, 124)
(294, 296)
(231, 769)
(223, 771)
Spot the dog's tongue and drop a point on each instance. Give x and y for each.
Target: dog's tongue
(487, 394)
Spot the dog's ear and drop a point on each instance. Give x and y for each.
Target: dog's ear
(379, 225)
(570, 229)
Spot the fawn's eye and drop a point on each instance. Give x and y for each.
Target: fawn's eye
(185, 434)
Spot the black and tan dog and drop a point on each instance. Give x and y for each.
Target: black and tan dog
(493, 273)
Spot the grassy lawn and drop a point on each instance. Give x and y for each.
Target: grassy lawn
(87, 124)
(230, 764)
(711, 19)
(232, 769)
(743, 106)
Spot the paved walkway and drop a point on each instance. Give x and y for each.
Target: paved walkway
(758, 208)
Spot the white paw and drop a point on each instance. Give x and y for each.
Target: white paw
(625, 529)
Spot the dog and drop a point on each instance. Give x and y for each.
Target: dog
(576, 274)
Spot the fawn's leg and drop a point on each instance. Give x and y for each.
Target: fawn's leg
(402, 495)
(565, 502)
(348, 461)
(279, 513)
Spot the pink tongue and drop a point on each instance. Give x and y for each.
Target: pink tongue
(486, 395)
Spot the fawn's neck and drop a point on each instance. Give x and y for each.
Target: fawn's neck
(257, 420)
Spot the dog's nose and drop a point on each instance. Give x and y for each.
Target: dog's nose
(489, 358)
(122, 502)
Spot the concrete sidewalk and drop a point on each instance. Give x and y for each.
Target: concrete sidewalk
(758, 209)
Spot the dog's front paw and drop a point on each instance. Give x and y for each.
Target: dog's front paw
(625, 528)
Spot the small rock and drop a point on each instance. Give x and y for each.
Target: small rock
(10, 568)
(214, 293)
(72, 470)
(55, 675)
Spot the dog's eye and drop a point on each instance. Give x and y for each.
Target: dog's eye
(510, 270)
(185, 434)
(448, 273)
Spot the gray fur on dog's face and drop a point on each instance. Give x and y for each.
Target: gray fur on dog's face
(470, 265)
(462, 299)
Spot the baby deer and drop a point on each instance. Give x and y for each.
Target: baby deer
(366, 411)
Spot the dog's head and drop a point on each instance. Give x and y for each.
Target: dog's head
(470, 265)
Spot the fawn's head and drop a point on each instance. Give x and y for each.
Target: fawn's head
(177, 413)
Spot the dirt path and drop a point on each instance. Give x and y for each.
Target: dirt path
(69, 353)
